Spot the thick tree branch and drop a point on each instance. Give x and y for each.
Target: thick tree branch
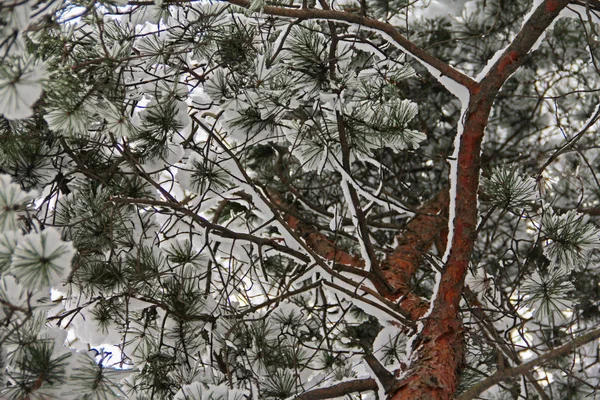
(323, 246)
(332, 15)
(400, 266)
(318, 241)
(469, 160)
(385, 377)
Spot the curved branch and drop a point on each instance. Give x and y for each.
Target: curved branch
(408, 46)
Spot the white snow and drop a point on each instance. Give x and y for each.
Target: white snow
(354, 216)
(20, 91)
(438, 8)
(499, 53)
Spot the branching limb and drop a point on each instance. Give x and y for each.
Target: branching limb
(383, 27)
(260, 197)
(504, 374)
(441, 346)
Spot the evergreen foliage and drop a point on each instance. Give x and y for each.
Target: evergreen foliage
(200, 200)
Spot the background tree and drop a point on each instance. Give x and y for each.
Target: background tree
(253, 199)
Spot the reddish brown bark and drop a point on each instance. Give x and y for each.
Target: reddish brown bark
(435, 372)
(322, 245)
(316, 240)
(401, 265)
(399, 269)
(440, 350)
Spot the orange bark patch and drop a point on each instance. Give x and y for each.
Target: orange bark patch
(400, 266)
(443, 349)
(440, 349)
(316, 240)
(329, 251)
(506, 61)
(552, 5)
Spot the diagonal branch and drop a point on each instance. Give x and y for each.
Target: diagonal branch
(469, 154)
(218, 229)
(570, 143)
(514, 55)
(390, 310)
(331, 15)
(354, 204)
(400, 266)
(524, 368)
(258, 196)
(322, 245)
(385, 377)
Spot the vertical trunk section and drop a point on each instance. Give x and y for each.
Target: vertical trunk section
(440, 347)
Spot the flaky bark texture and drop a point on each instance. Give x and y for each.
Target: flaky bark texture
(402, 264)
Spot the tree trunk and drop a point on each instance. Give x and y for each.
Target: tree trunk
(440, 346)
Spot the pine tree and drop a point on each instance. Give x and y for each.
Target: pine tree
(299, 200)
